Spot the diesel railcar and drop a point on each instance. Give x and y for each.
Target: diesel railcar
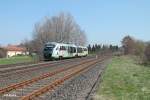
(53, 50)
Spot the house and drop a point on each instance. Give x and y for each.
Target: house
(13, 50)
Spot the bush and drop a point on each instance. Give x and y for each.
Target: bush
(147, 54)
(133, 46)
(2, 53)
(138, 48)
(128, 44)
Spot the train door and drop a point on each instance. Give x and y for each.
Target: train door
(62, 51)
(70, 51)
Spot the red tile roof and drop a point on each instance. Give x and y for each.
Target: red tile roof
(15, 48)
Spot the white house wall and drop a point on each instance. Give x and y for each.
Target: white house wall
(14, 53)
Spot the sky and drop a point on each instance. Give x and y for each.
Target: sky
(104, 21)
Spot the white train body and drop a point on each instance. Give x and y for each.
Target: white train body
(82, 51)
(61, 50)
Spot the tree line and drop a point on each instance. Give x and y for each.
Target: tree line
(96, 48)
(137, 47)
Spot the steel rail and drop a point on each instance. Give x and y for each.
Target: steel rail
(18, 65)
(27, 82)
(58, 82)
(33, 68)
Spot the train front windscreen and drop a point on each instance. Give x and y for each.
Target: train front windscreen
(48, 50)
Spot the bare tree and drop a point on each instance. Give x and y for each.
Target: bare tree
(61, 28)
(128, 44)
(133, 46)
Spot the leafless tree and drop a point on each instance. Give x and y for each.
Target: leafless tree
(133, 46)
(128, 44)
(61, 28)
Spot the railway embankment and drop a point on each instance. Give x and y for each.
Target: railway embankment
(124, 79)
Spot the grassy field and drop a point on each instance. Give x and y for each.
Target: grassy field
(124, 79)
(17, 59)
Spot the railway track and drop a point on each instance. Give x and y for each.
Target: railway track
(32, 88)
(25, 74)
(29, 64)
(4, 72)
(18, 64)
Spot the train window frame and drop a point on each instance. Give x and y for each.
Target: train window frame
(80, 50)
(74, 50)
(62, 48)
(71, 49)
(84, 49)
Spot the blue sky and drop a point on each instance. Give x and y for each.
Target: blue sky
(105, 21)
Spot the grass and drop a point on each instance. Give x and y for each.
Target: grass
(14, 60)
(124, 79)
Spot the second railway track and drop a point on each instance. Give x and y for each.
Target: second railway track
(5, 70)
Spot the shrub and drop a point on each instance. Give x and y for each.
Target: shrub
(2, 53)
(128, 44)
(147, 54)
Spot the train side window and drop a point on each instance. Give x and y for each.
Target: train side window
(74, 50)
(79, 50)
(62, 48)
(69, 49)
(84, 49)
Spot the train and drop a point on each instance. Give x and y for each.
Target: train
(54, 50)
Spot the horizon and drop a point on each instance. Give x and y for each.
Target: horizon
(105, 22)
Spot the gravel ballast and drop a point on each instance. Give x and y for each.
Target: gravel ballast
(26, 75)
(80, 87)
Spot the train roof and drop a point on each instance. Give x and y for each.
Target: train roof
(60, 43)
(65, 44)
(81, 47)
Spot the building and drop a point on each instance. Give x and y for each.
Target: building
(14, 50)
